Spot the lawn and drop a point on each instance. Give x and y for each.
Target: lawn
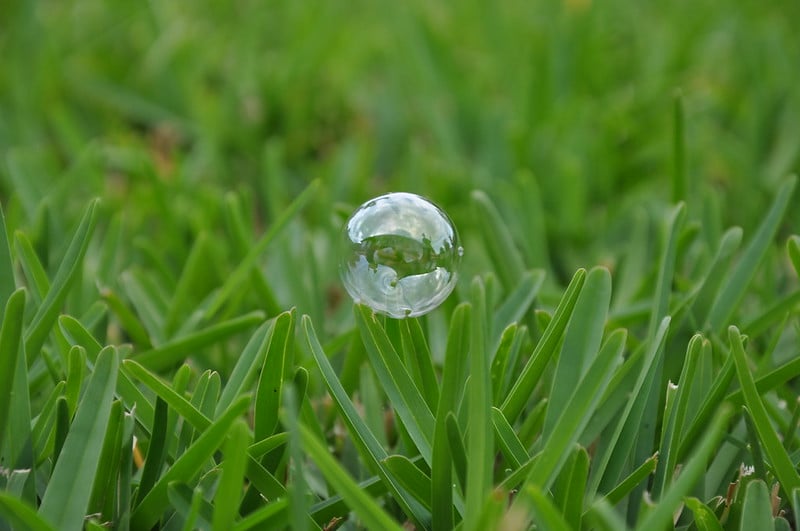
(622, 346)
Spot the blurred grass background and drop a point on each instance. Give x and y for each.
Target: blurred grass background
(565, 113)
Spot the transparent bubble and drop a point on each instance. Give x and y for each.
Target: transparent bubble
(400, 255)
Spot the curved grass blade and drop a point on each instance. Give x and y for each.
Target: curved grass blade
(781, 463)
(188, 465)
(543, 353)
(10, 353)
(177, 350)
(21, 516)
(276, 364)
(63, 504)
(46, 315)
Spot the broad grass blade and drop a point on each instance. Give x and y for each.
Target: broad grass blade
(63, 504)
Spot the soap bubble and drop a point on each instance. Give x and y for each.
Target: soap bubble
(400, 255)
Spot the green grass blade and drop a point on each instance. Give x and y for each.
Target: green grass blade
(231, 484)
(187, 466)
(246, 368)
(31, 266)
(162, 389)
(757, 507)
(661, 514)
(419, 358)
(271, 516)
(277, 361)
(106, 486)
(458, 452)
(581, 342)
(7, 284)
(545, 349)
(680, 183)
(250, 261)
(190, 504)
(403, 393)
(75, 368)
(673, 425)
(635, 478)
(576, 414)
(10, 354)
(783, 467)
(156, 450)
(793, 250)
(544, 512)
(177, 350)
(570, 487)
(368, 446)
(62, 504)
(480, 443)
(505, 255)
(414, 480)
(441, 465)
(729, 298)
(21, 516)
(602, 516)
(704, 517)
(607, 469)
(46, 315)
(513, 450)
(517, 303)
(370, 513)
(504, 360)
(127, 318)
